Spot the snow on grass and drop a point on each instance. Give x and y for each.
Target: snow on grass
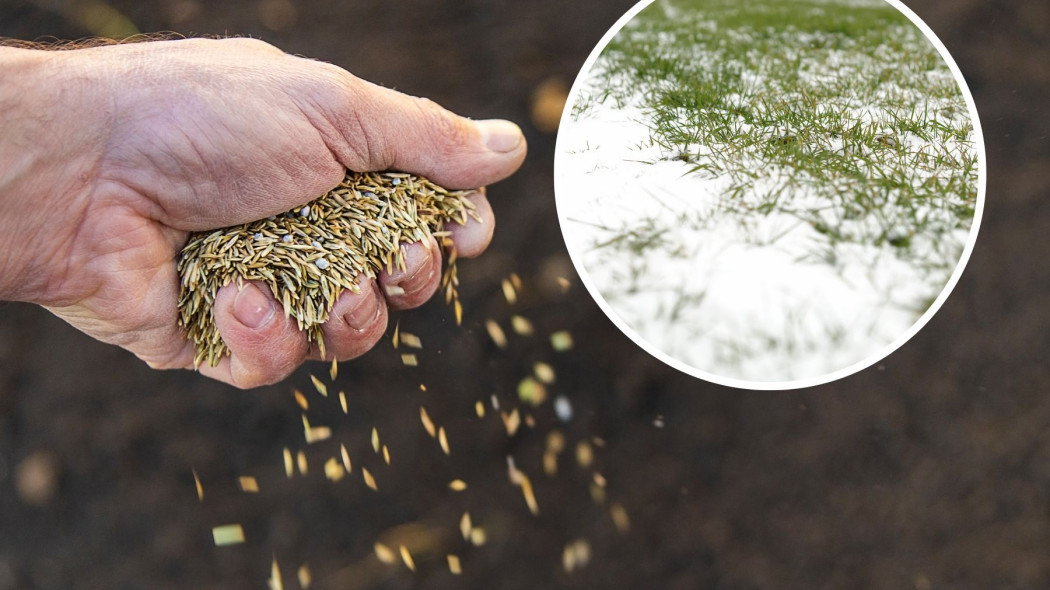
(771, 192)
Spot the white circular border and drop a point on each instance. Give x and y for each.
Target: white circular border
(982, 178)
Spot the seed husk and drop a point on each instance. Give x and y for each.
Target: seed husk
(307, 261)
(406, 557)
(227, 534)
(301, 400)
(275, 582)
(248, 484)
(383, 553)
(305, 579)
(369, 480)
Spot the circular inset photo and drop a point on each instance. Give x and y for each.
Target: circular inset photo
(770, 194)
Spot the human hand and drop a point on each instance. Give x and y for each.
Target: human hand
(112, 155)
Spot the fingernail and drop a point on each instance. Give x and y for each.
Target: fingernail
(418, 257)
(499, 135)
(253, 308)
(366, 311)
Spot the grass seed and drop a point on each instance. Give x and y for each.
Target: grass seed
(307, 261)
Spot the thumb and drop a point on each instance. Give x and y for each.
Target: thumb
(375, 128)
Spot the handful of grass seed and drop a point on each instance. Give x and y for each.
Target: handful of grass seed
(309, 255)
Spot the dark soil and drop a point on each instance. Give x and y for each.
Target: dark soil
(929, 470)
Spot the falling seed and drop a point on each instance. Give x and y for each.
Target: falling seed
(658, 421)
(428, 424)
(513, 474)
(369, 480)
(495, 402)
(346, 459)
(599, 479)
(511, 421)
(227, 534)
(496, 333)
(333, 470)
(275, 582)
(597, 493)
(457, 485)
(320, 386)
(200, 488)
(443, 440)
(384, 553)
(508, 292)
(342, 401)
(396, 339)
(563, 408)
(564, 284)
(515, 280)
(248, 484)
(333, 370)
(305, 579)
(584, 454)
(386, 455)
(454, 565)
(521, 326)
(318, 433)
(576, 555)
(619, 517)
(550, 464)
(479, 409)
(409, 360)
(561, 341)
(465, 526)
(422, 388)
(301, 399)
(406, 557)
(531, 392)
(568, 558)
(288, 466)
(530, 497)
(555, 442)
(530, 420)
(478, 537)
(300, 459)
(411, 340)
(459, 313)
(375, 440)
(544, 372)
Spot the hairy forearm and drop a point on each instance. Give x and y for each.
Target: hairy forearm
(49, 145)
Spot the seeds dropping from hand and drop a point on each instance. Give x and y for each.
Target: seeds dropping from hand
(360, 226)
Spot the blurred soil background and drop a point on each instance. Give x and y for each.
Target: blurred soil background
(929, 470)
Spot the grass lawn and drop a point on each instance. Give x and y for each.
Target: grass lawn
(768, 190)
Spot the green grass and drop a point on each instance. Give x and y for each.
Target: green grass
(843, 116)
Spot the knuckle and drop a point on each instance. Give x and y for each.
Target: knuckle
(444, 129)
(255, 45)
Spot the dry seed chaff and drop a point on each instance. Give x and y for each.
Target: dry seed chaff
(310, 255)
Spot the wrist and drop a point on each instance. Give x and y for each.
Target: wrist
(48, 152)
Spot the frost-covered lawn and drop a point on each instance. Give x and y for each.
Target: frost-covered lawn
(768, 190)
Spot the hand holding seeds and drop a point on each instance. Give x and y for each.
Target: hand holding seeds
(112, 156)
